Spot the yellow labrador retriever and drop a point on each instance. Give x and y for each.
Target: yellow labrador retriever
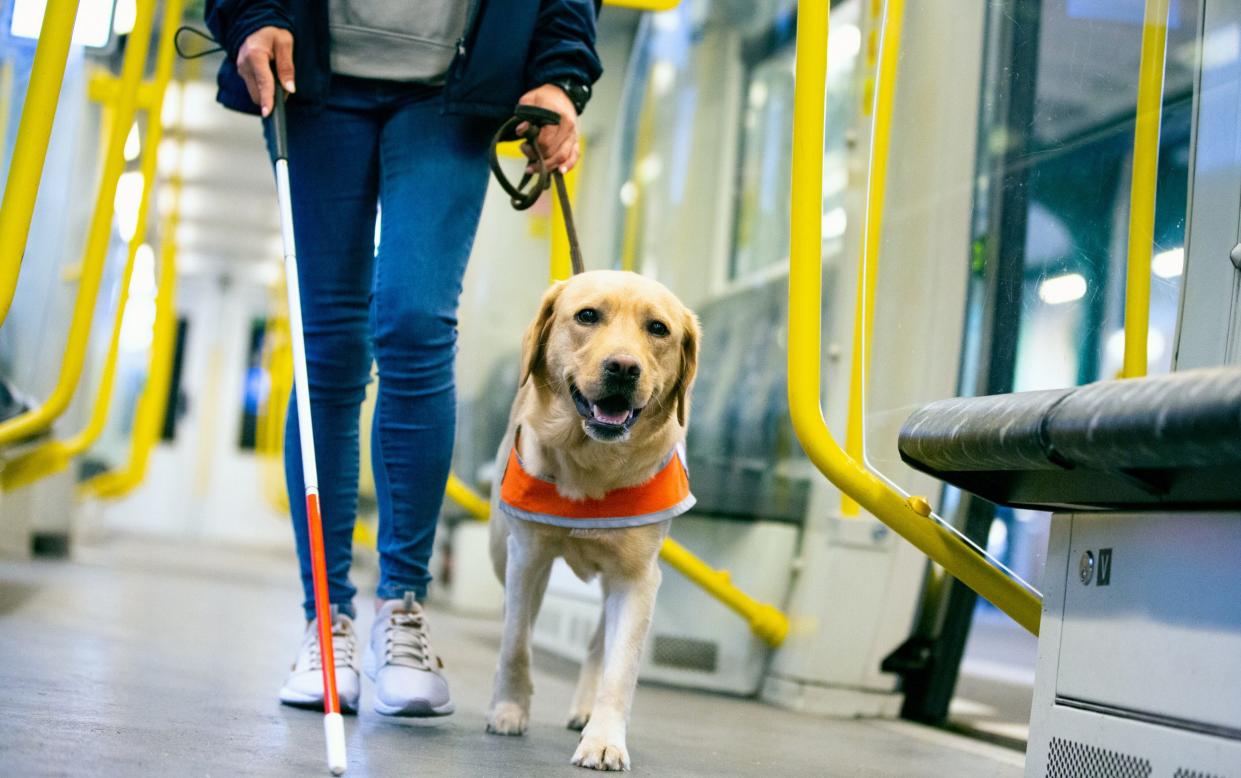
(593, 445)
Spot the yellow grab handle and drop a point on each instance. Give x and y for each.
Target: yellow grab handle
(766, 621)
(47, 74)
(910, 518)
(1144, 186)
(473, 502)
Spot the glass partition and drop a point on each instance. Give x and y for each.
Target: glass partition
(1002, 262)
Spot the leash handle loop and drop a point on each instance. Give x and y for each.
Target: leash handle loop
(522, 195)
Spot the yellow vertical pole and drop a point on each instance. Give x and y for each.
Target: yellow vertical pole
(1144, 186)
(97, 239)
(47, 73)
(868, 259)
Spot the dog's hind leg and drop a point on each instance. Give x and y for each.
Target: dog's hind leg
(528, 568)
(588, 679)
(629, 603)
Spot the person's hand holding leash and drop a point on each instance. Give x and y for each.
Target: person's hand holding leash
(261, 48)
(558, 142)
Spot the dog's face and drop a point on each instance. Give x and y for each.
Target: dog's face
(615, 348)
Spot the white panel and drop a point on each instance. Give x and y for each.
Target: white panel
(1164, 634)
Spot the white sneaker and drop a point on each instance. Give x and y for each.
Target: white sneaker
(400, 662)
(304, 686)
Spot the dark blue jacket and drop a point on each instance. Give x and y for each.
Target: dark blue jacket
(509, 48)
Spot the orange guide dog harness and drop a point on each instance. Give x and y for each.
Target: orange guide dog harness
(664, 496)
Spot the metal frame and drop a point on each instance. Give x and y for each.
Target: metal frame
(868, 256)
(1209, 325)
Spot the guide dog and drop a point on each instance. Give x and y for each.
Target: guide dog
(593, 471)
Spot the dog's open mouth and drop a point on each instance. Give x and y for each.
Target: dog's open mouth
(612, 413)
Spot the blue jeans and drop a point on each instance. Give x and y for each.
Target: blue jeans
(380, 145)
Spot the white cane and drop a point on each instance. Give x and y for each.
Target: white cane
(333, 722)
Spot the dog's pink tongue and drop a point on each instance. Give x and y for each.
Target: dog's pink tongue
(620, 417)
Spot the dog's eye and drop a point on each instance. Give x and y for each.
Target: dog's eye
(587, 316)
(658, 329)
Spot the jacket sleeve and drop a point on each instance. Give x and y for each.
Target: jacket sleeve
(232, 21)
(563, 45)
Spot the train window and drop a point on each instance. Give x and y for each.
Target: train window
(256, 387)
(761, 223)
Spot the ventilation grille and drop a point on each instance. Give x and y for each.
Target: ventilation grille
(1068, 759)
(1187, 773)
(685, 653)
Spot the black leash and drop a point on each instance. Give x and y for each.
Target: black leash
(523, 194)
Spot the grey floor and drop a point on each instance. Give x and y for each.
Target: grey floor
(141, 658)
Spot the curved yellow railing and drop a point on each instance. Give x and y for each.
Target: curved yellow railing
(474, 503)
(55, 455)
(644, 5)
(911, 517)
(47, 73)
(868, 255)
(98, 237)
(153, 404)
(1143, 186)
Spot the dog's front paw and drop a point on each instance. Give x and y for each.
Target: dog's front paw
(507, 718)
(601, 753)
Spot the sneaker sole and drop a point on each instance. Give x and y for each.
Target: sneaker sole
(417, 709)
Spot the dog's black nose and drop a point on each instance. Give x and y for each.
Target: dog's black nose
(622, 367)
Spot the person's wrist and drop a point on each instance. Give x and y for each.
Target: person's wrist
(577, 92)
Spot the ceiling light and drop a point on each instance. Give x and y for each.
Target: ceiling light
(1062, 289)
(1169, 264)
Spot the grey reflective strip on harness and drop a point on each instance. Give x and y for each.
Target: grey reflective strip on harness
(608, 523)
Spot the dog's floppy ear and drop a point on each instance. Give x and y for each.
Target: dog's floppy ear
(534, 343)
(689, 366)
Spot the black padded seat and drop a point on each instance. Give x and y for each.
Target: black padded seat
(1171, 440)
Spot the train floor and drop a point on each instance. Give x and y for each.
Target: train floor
(140, 657)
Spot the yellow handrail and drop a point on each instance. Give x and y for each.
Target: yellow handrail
(767, 622)
(98, 237)
(1144, 186)
(55, 455)
(473, 502)
(153, 404)
(644, 5)
(868, 256)
(911, 517)
(47, 73)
